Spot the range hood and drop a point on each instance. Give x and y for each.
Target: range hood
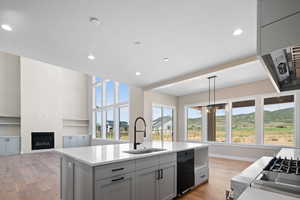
(278, 45)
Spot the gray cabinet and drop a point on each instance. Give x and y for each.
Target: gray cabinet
(13, 145)
(151, 178)
(67, 179)
(76, 141)
(147, 184)
(167, 182)
(9, 145)
(273, 10)
(159, 181)
(116, 188)
(2, 146)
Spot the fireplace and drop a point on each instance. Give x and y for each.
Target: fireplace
(42, 140)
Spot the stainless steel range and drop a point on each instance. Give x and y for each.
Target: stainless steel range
(281, 175)
(286, 166)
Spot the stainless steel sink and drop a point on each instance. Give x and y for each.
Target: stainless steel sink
(144, 151)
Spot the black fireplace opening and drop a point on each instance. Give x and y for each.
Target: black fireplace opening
(42, 140)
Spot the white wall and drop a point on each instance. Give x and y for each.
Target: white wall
(136, 109)
(9, 85)
(50, 94)
(151, 98)
(9, 93)
(228, 150)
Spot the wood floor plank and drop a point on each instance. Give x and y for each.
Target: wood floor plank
(36, 177)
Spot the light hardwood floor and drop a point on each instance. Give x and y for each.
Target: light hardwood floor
(36, 177)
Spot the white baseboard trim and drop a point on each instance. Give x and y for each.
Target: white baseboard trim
(38, 151)
(233, 157)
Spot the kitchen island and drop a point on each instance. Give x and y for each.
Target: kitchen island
(110, 172)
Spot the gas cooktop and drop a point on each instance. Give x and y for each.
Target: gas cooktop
(284, 165)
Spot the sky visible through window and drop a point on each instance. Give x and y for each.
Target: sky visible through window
(274, 107)
(243, 110)
(194, 113)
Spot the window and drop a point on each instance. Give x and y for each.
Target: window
(167, 127)
(98, 96)
(243, 122)
(98, 124)
(216, 128)
(162, 123)
(97, 79)
(123, 123)
(194, 123)
(279, 121)
(110, 124)
(110, 115)
(110, 92)
(123, 92)
(156, 123)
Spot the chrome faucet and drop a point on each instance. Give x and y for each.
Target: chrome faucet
(135, 131)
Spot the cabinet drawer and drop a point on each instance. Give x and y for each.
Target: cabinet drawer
(167, 158)
(115, 169)
(201, 175)
(147, 162)
(119, 187)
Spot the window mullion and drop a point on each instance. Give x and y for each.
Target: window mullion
(228, 123)
(117, 123)
(162, 125)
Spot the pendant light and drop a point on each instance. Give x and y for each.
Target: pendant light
(210, 105)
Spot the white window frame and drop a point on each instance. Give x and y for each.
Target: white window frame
(253, 98)
(174, 120)
(259, 120)
(103, 108)
(296, 116)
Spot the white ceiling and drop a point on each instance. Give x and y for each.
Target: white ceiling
(240, 74)
(194, 35)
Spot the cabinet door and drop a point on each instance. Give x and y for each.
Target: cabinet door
(67, 179)
(86, 140)
(147, 184)
(12, 146)
(115, 188)
(2, 146)
(68, 141)
(167, 181)
(273, 10)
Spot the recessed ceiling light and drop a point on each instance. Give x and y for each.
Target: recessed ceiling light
(94, 20)
(138, 73)
(237, 32)
(166, 59)
(91, 57)
(6, 27)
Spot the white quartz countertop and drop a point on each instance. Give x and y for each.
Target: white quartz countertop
(106, 154)
(289, 153)
(258, 194)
